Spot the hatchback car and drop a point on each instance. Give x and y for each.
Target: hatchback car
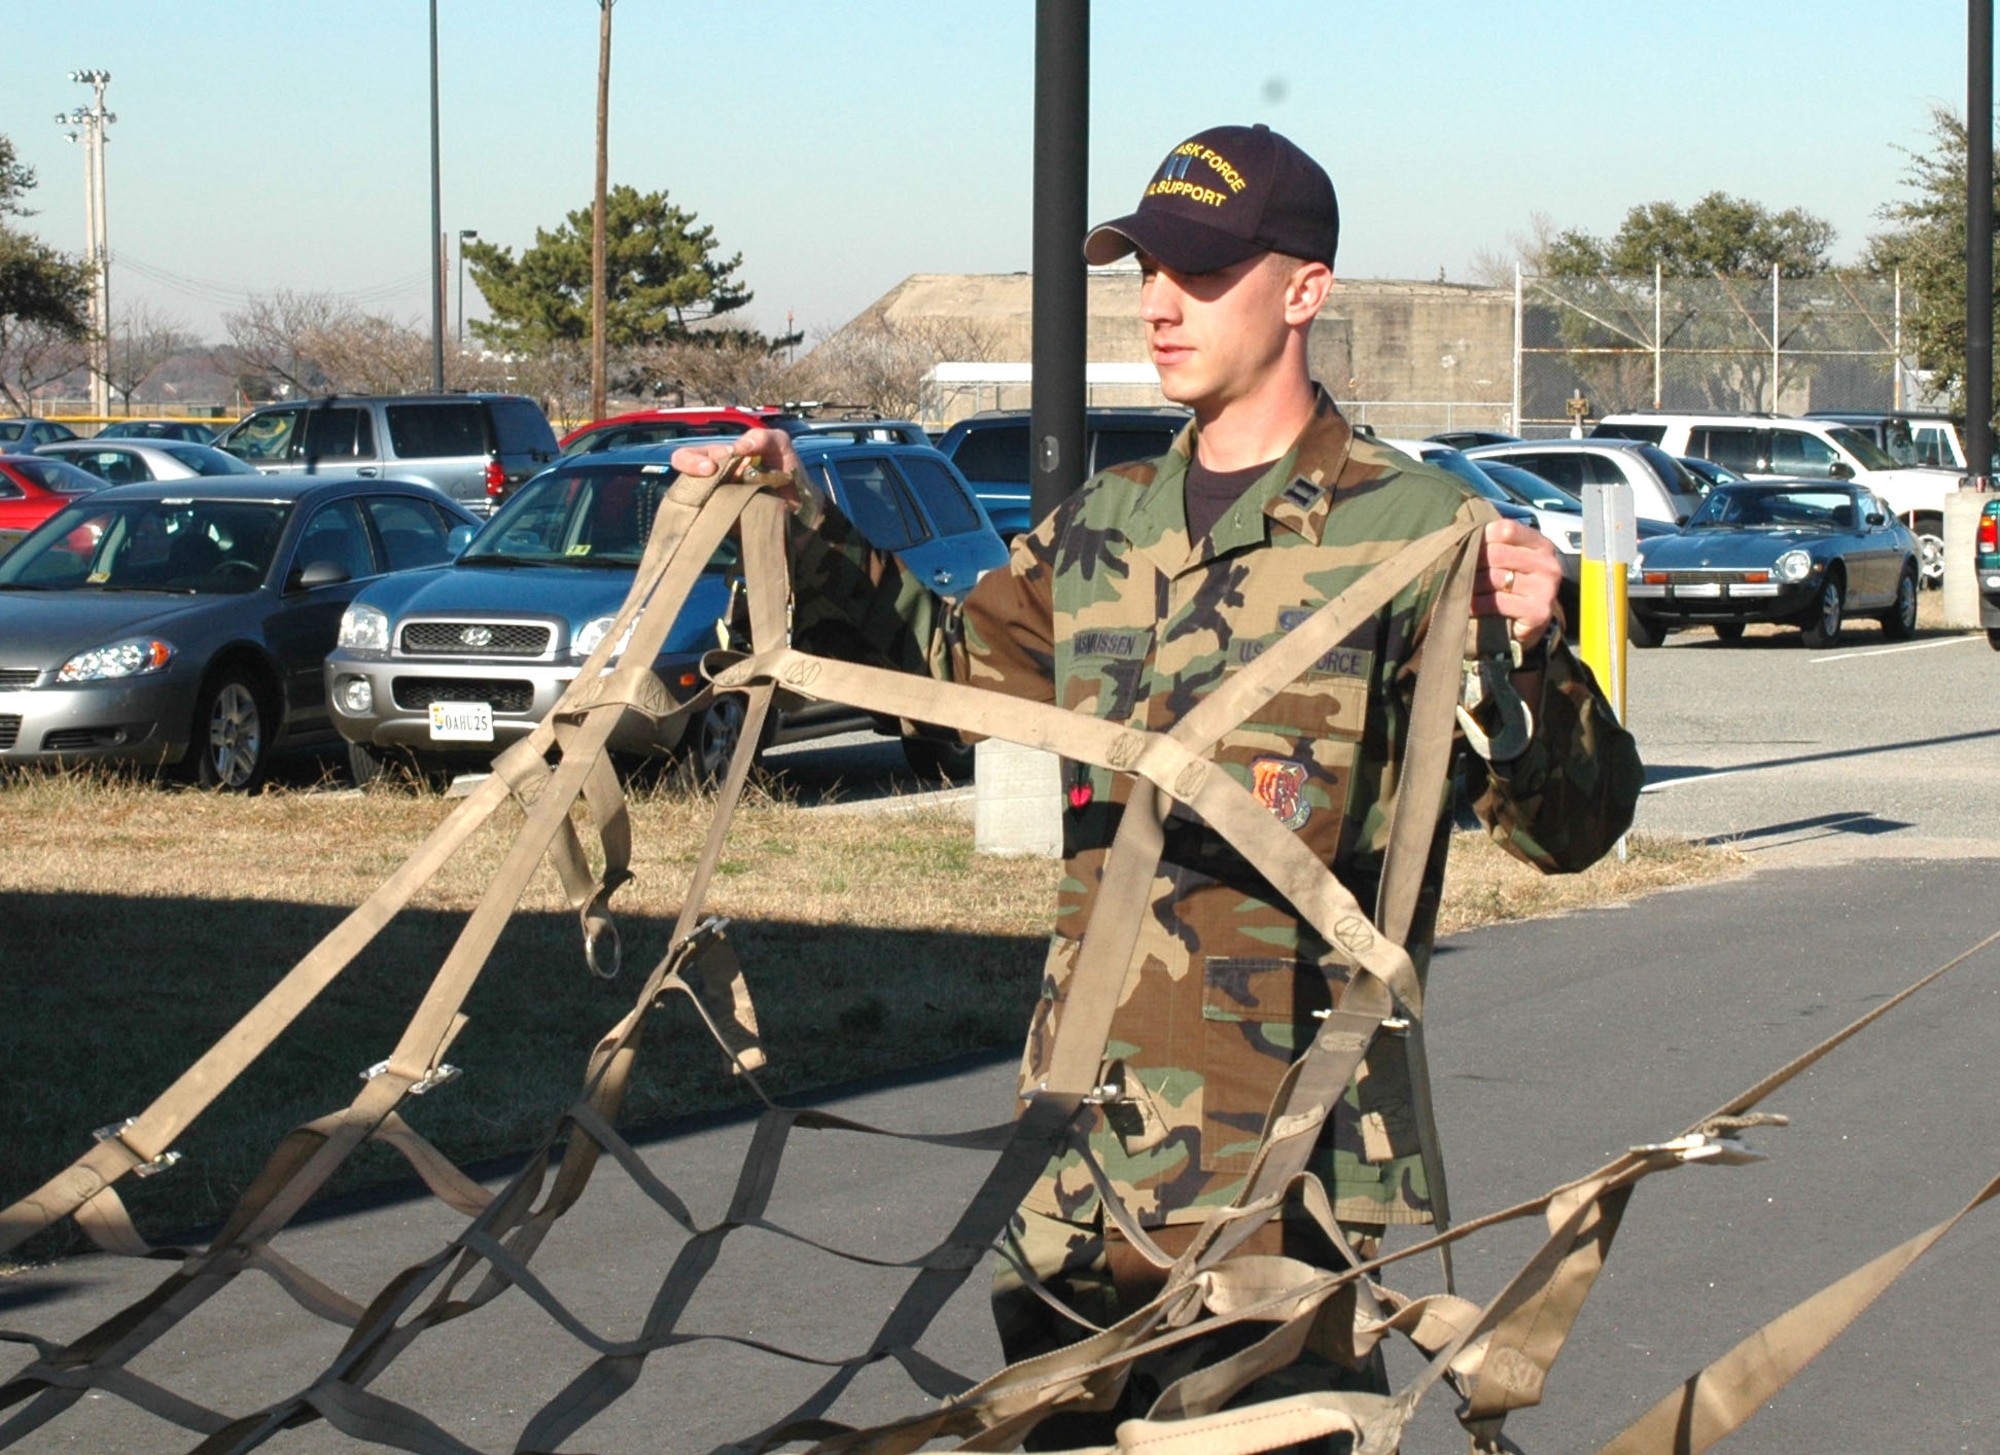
(186, 621)
(473, 448)
(127, 462)
(30, 434)
(1807, 552)
(186, 430)
(659, 426)
(32, 489)
(1662, 488)
(459, 662)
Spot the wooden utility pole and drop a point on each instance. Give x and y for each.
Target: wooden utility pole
(597, 210)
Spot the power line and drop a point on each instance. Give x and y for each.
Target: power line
(212, 291)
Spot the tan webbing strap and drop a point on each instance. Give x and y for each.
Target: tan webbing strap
(1722, 1396)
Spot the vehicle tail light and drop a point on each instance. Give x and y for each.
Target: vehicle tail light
(496, 479)
(1989, 532)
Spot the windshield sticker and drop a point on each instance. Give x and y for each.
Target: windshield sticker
(581, 548)
(98, 578)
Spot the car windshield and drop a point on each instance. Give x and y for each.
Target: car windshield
(575, 516)
(1529, 488)
(190, 547)
(1470, 473)
(1731, 507)
(1871, 455)
(203, 460)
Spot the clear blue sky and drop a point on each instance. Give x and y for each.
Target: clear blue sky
(841, 146)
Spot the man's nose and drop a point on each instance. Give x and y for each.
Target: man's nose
(1159, 301)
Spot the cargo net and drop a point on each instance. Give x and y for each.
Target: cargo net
(1717, 343)
(1495, 1358)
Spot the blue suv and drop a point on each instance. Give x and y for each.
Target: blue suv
(459, 661)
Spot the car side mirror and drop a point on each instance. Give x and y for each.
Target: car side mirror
(460, 537)
(320, 573)
(1876, 520)
(1840, 470)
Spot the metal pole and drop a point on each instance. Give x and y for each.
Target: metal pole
(597, 267)
(1062, 168)
(437, 223)
(1774, 338)
(100, 400)
(1979, 245)
(1514, 424)
(1896, 368)
(465, 235)
(1659, 329)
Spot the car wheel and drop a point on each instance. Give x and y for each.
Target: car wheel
(1643, 631)
(233, 724)
(1729, 631)
(711, 738)
(1929, 531)
(1824, 629)
(1899, 623)
(932, 759)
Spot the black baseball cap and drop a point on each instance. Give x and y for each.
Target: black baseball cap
(1224, 195)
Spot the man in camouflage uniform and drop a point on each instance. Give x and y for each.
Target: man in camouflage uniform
(1135, 599)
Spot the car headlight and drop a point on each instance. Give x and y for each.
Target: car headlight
(1793, 566)
(132, 658)
(592, 634)
(364, 629)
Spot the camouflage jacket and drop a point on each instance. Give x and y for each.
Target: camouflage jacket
(1107, 608)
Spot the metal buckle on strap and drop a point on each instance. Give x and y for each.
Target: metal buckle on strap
(1393, 1025)
(1109, 1094)
(437, 1076)
(1703, 1147)
(115, 1132)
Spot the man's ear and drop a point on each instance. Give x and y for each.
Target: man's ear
(1306, 292)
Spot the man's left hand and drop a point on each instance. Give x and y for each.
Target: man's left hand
(1518, 574)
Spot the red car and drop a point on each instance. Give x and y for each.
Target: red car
(652, 426)
(33, 488)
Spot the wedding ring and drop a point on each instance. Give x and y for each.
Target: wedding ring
(1508, 584)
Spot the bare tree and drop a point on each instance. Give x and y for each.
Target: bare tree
(1495, 267)
(272, 335)
(737, 369)
(367, 353)
(142, 341)
(319, 344)
(34, 353)
(881, 363)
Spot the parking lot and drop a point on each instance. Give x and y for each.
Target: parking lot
(1869, 749)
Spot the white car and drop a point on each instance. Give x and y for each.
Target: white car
(1662, 487)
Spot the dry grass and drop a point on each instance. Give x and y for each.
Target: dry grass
(143, 921)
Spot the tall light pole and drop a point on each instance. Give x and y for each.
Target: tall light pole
(465, 235)
(97, 247)
(597, 268)
(437, 224)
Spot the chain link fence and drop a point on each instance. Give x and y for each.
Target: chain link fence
(1601, 345)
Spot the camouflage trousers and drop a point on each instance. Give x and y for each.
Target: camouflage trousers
(1096, 1272)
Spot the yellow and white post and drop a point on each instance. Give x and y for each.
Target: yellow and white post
(1610, 547)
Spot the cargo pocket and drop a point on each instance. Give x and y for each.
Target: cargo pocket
(1257, 1016)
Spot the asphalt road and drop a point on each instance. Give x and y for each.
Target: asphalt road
(1868, 749)
(1557, 1044)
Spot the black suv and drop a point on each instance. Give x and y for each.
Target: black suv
(473, 447)
(991, 451)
